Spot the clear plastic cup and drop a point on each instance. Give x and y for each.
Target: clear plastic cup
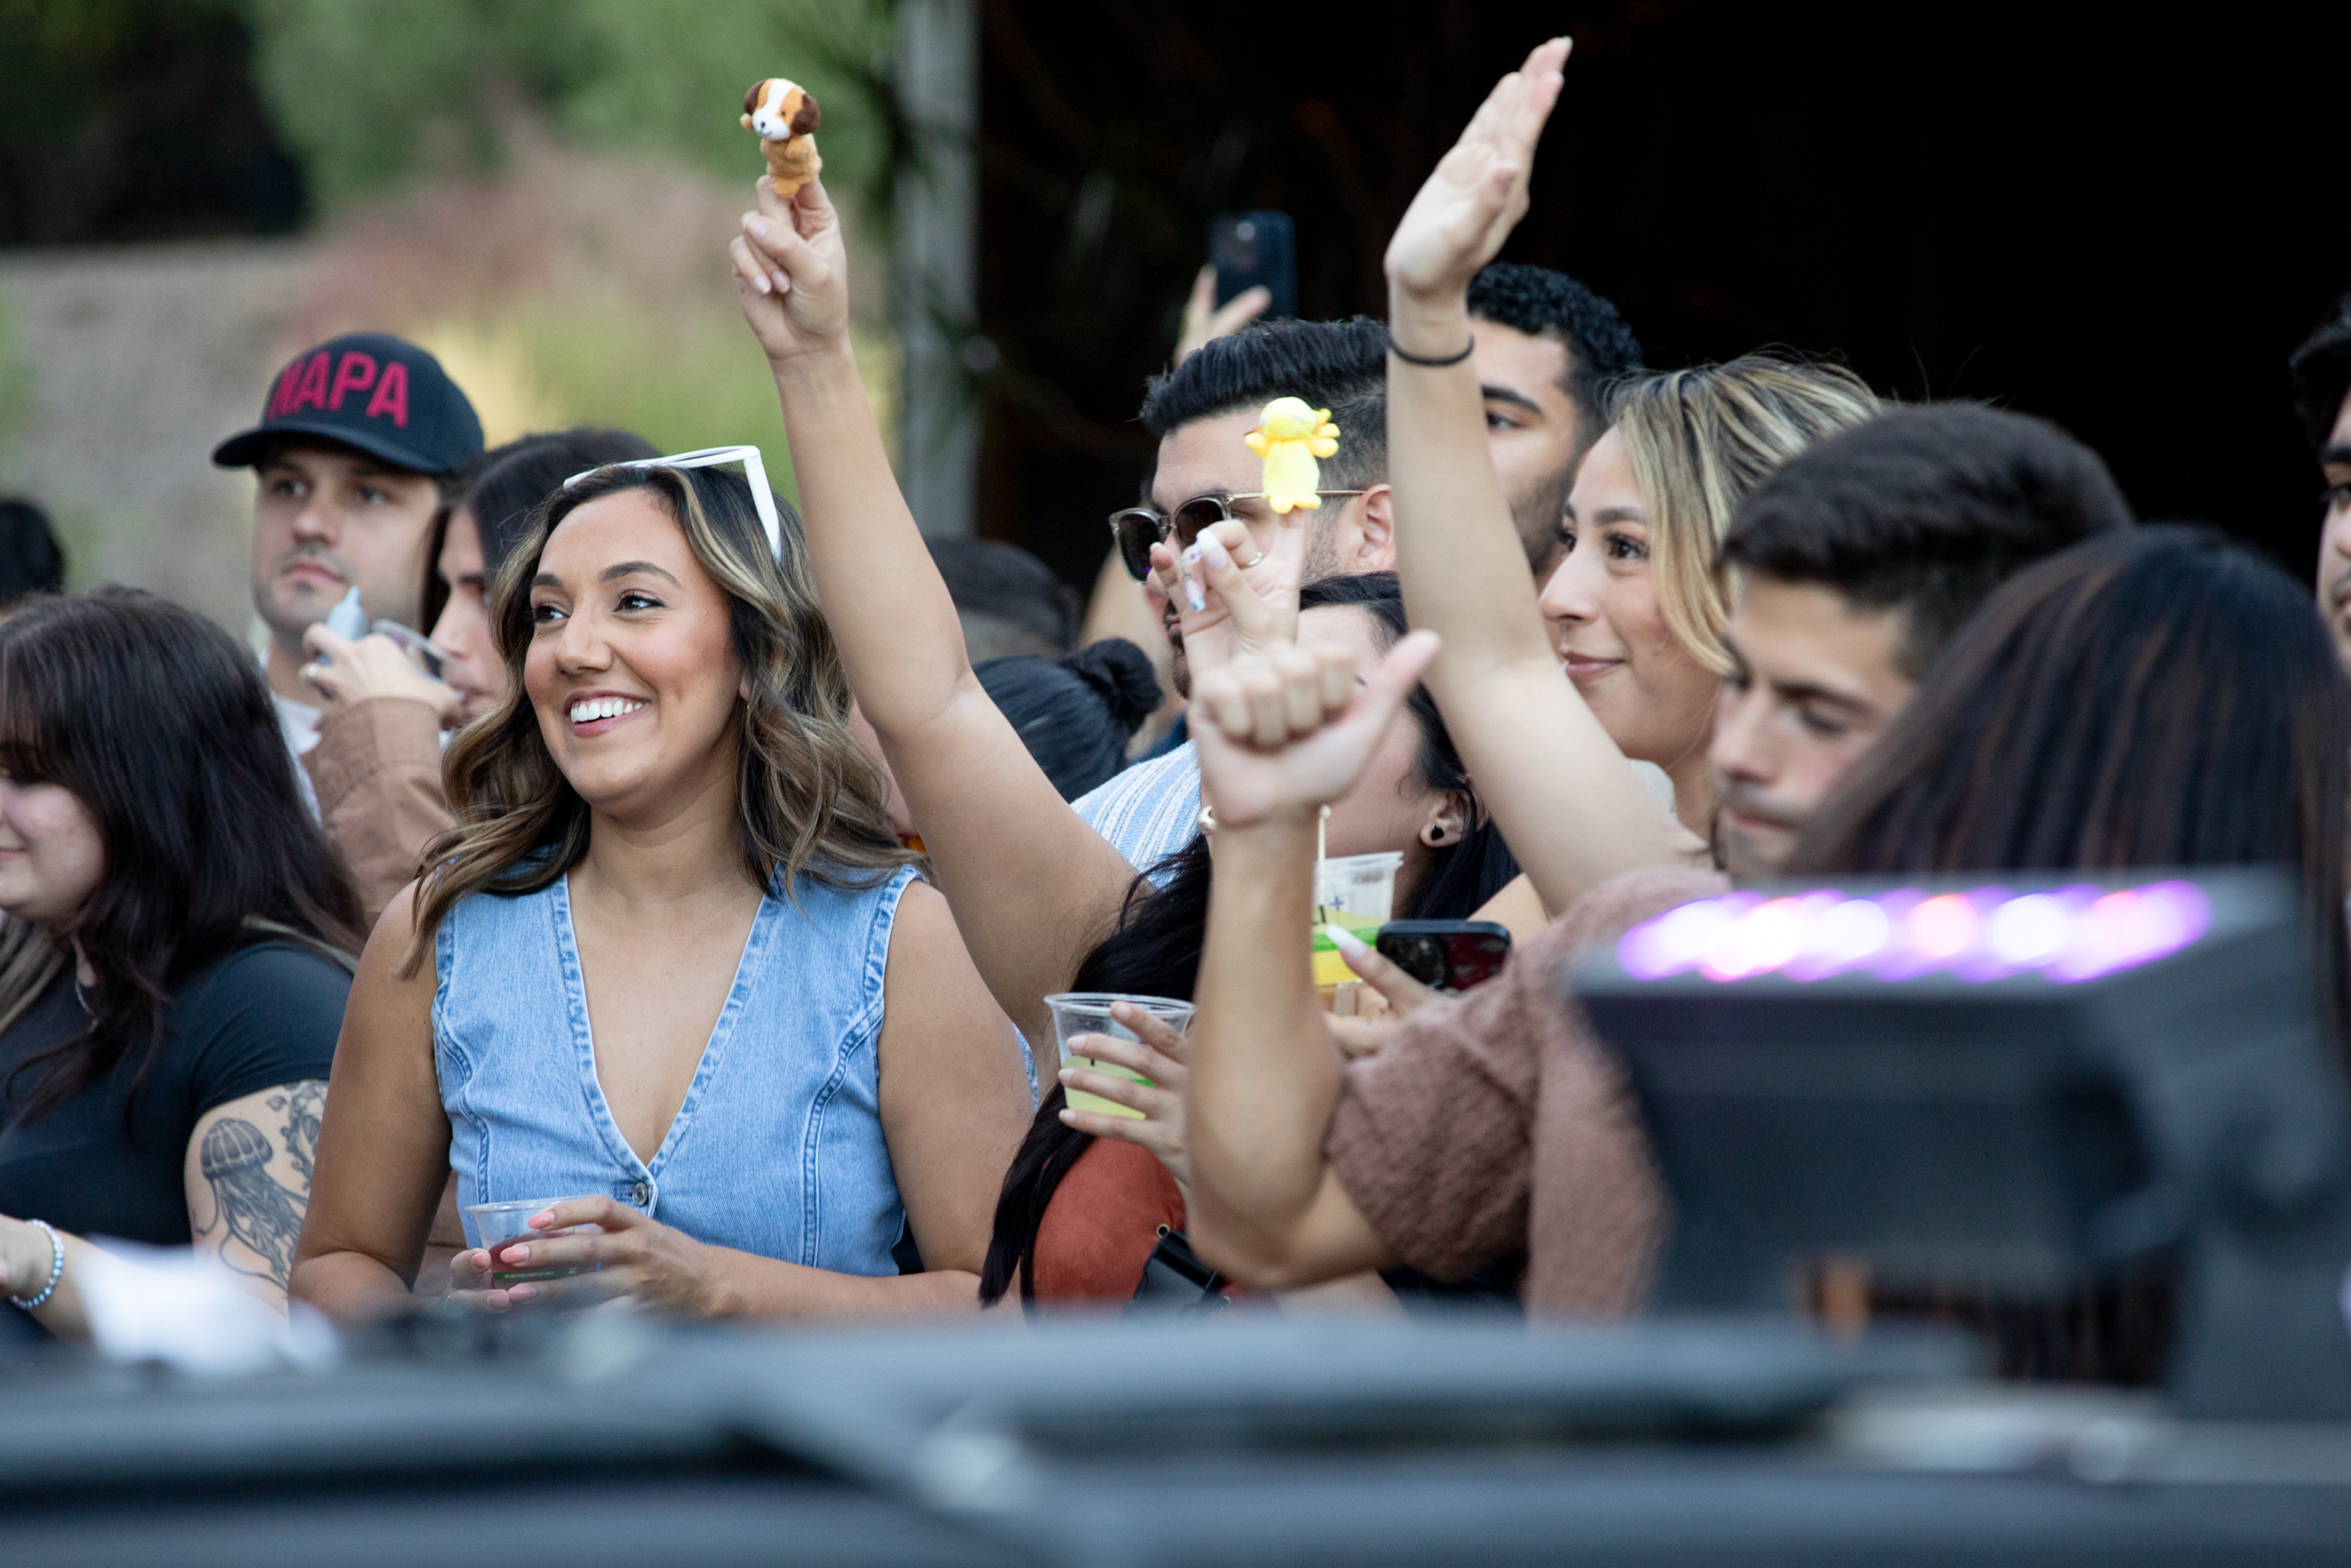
(1088, 1012)
(492, 1225)
(1357, 894)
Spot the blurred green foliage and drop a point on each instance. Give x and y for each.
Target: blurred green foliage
(368, 92)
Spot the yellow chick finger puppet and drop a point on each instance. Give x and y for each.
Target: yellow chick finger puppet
(786, 118)
(1289, 436)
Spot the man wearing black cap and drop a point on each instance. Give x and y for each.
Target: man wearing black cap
(359, 439)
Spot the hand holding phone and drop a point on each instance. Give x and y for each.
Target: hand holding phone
(1256, 250)
(1446, 954)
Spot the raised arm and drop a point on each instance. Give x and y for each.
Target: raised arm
(1265, 1203)
(1031, 886)
(1571, 809)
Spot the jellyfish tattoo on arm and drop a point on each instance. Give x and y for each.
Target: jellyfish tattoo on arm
(302, 1104)
(254, 1208)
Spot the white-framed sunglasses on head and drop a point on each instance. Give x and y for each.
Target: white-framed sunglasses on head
(754, 470)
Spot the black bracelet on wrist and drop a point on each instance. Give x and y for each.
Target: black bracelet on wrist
(1467, 350)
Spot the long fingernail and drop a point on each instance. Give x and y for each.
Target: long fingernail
(1192, 595)
(1214, 551)
(1346, 941)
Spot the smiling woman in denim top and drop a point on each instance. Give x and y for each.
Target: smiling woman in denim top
(672, 966)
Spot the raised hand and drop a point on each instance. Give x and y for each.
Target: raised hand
(1289, 733)
(791, 273)
(1234, 599)
(1465, 209)
(1205, 320)
(1367, 1033)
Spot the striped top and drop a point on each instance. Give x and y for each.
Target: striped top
(1150, 812)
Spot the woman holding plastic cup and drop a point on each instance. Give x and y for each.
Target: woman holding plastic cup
(673, 970)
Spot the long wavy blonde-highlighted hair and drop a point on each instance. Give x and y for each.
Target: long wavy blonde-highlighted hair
(809, 796)
(1697, 441)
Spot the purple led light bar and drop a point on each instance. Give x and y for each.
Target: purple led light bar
(2069, 933)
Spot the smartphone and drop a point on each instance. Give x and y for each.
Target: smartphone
(1253, 249)
(422, 650)
(1446, 954)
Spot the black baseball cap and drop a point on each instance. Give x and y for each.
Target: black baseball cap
(369, 389)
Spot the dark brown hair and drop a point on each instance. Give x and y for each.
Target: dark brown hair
(1926, 511)
(157, 722)
(503, 488)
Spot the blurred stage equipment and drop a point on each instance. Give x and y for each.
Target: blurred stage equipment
(2006, 1091)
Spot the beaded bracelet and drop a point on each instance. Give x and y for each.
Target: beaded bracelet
(57, 1269)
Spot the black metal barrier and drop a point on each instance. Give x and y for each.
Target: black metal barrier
(607, 1441)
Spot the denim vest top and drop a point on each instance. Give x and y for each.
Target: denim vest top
(777, 1149)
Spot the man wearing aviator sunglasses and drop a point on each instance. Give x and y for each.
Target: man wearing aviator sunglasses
(1206, 491)
(1136, 528)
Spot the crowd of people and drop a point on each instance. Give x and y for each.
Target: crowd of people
(598, 832)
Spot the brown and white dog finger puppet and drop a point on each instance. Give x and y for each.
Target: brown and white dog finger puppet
(786, 118)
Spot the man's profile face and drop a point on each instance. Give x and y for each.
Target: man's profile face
(2335, 538)
(1532, 428)
(328, 518)
(1815, 680)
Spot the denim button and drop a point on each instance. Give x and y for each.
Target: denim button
(641, 1194)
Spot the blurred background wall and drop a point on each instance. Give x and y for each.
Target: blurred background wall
(2121, 222)
(2119, 218)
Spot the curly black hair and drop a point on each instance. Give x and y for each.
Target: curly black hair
(1546, 304)
(2322, 374)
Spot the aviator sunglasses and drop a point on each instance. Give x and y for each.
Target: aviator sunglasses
(763, 499)
(1137, 528)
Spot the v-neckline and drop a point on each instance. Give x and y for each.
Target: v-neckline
(714, 1049)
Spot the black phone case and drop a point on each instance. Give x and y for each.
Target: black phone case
(1446, 954)
(1252, 248)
